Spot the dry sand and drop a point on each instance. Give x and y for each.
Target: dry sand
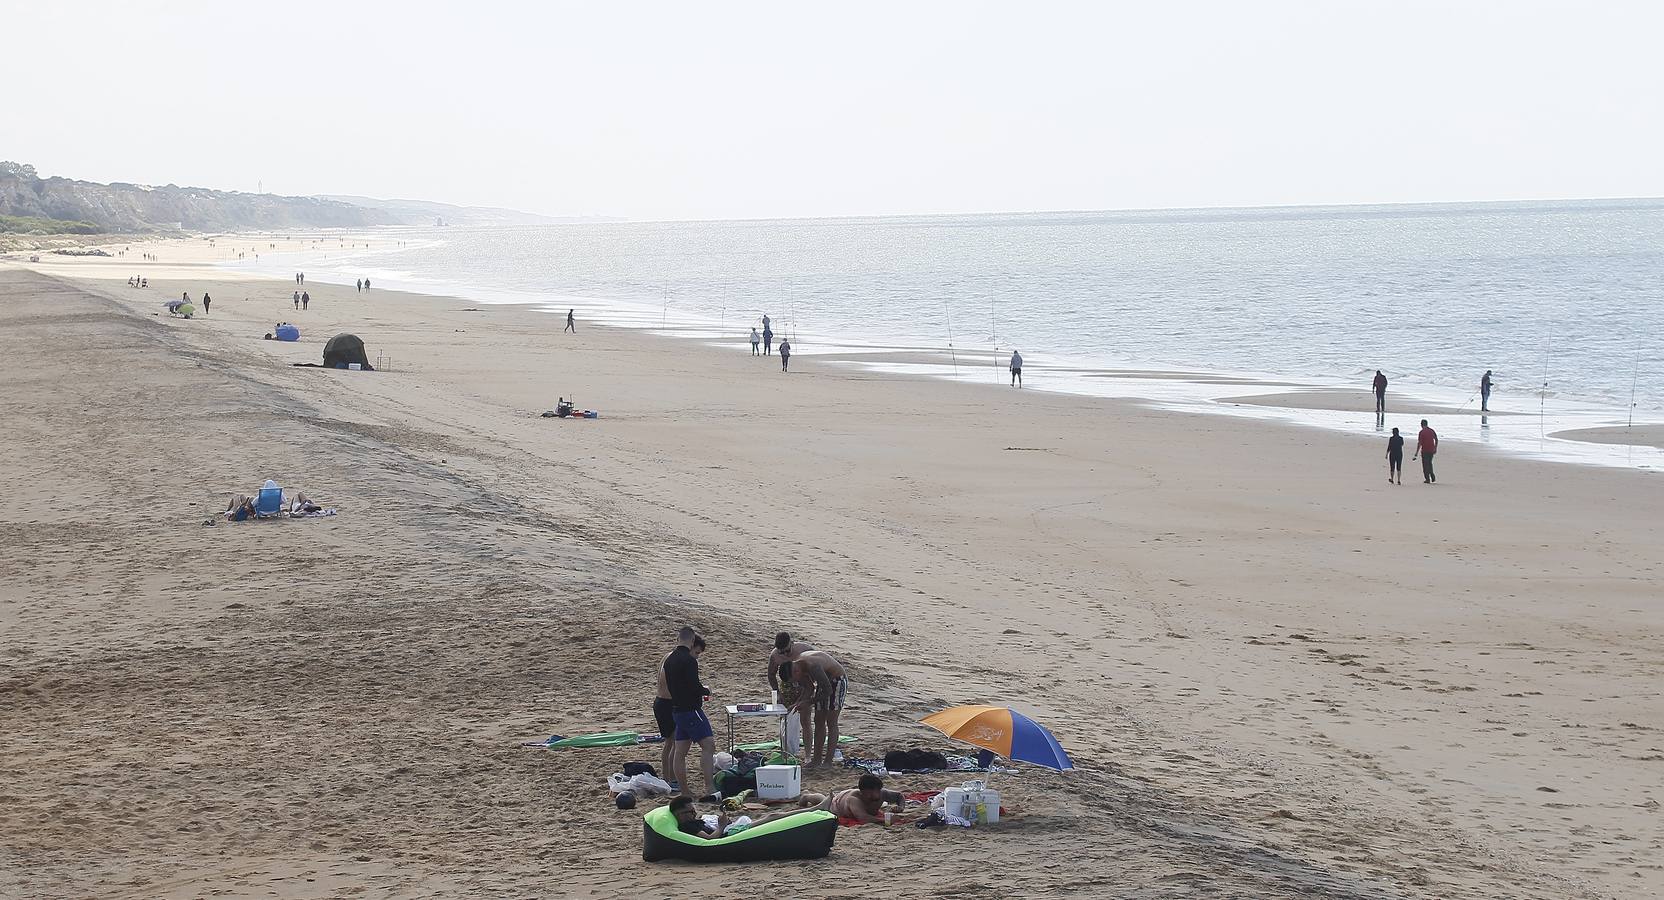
(1279, 675)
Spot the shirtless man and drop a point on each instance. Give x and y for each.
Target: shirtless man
(787, 650)
(824, 684)
(662, 709)
(865, 802)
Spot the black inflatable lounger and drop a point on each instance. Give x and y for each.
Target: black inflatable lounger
(807, 835)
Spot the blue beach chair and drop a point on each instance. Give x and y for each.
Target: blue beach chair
(269, 502)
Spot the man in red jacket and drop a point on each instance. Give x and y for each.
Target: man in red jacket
(1427, 444)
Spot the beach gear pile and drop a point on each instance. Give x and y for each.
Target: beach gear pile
(287, 332)
(567, 409)
(183, 309)
(807, 835)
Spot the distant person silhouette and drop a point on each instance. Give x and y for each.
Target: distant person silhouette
(768, 338)
(305, 299)
(206, 301)
(756, 343)
(1395, 457)
(1016, 369)
(366, 281)
(359, 285)
(571, 323)
(297, 299)
(1427, 443)
(1485, 392)
(785, 355)
(1380, 392)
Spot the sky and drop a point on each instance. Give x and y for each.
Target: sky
(760, 110)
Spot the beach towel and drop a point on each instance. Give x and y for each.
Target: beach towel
(603, 739)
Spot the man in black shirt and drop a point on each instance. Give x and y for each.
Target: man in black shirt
(681, 678)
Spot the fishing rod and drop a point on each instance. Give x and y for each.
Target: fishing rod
(948, 311)
(994, 331)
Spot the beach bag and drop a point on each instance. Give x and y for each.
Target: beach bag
(914, 760)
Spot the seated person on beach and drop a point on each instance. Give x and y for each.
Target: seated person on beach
(865, 802)
(241, 508)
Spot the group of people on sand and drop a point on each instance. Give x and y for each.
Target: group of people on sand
(812, 684)
(765, 340)
(138, 281)
(1427, 440)
(303, 299)
(363, 284)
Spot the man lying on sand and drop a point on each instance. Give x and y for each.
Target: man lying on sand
(865, 802)
(690, 822)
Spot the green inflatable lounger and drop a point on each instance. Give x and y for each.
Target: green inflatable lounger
(807, 835)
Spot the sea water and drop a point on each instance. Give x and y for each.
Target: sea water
(1563, 301)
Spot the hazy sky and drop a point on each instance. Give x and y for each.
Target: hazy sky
(722, 110)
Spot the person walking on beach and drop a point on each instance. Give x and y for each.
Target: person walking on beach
(366, 281)
(297, 299)
(1380, 392)
(1016, 369)
(305, 299)
(768, 338)
(1395, 457)
(206, 301)
(571, 323)
(785, 356)
(359, 284)
(756, 340)
(1485, 391)
(1427, 443)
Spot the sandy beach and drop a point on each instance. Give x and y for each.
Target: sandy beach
(1277, 674)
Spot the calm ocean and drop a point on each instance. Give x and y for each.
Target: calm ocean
(1567, 293)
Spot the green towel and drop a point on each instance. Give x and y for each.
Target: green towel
(604, 739)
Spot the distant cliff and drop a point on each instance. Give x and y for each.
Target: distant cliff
(136, 208)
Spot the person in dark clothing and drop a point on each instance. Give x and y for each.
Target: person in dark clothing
(1380, 392)
(305, 299)
(1485, 392)
(571, 323)
(768, 338)
(785, 356)
(664, 713)
(206, 300)
(681, 679)
(1395, 457)
(1427, 443)
(366, 281)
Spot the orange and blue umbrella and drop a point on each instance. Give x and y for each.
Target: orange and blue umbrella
(1004, 731)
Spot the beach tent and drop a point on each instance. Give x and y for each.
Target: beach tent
(343, 349)
(287, 332)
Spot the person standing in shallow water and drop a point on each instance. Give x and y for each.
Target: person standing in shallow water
(1427, 443)
(1485, 391)
(1380, 385)
(1395, 457)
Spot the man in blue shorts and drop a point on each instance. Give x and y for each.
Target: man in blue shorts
(687, 700)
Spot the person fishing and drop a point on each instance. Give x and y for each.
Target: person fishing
(1485, 391)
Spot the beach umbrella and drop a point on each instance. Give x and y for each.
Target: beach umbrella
(1004, 731)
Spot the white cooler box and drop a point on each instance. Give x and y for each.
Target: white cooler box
(962, 802)
(779, 782)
